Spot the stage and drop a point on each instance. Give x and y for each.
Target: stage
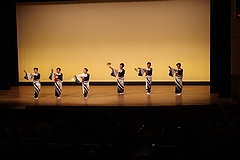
(106, 96)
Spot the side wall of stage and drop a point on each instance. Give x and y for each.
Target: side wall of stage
(235, 56)
(220, 48)
(8, 46)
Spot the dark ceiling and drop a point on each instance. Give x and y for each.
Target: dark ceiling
(81, 1)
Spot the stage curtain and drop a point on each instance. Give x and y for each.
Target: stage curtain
(8, 47)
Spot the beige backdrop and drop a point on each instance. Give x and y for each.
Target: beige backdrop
(73, 36)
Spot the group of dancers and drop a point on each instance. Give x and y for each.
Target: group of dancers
(84, 78)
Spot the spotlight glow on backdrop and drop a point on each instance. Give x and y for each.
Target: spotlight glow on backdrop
(74, 36)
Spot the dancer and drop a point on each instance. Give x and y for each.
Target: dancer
(36, 81)
(178, 74)
(58, 79)
(148, 76)
(84, 79)
(120, 77)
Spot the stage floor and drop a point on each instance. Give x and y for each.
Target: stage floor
(106, 96)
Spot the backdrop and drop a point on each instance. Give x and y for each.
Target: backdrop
(74, 36)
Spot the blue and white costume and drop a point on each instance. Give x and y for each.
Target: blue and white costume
(119, 73)
(178, 75)
(36, 82)
(84, 79)
(58, 79)
(148, 77)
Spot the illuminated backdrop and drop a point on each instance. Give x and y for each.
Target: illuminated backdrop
(73, 36)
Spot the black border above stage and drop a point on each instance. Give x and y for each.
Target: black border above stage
(114, 83)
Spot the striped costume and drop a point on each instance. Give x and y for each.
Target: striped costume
(148, 78)
(36, 82)
(84, 79)
(58, 79)
(178, 75)
(119, 73)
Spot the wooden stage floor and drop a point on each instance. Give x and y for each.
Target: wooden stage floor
(135, 96)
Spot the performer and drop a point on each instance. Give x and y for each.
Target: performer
(148, 76)
(178, 74)
(84, 79)
(58, 79)
(36, 81)
(119, 73)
